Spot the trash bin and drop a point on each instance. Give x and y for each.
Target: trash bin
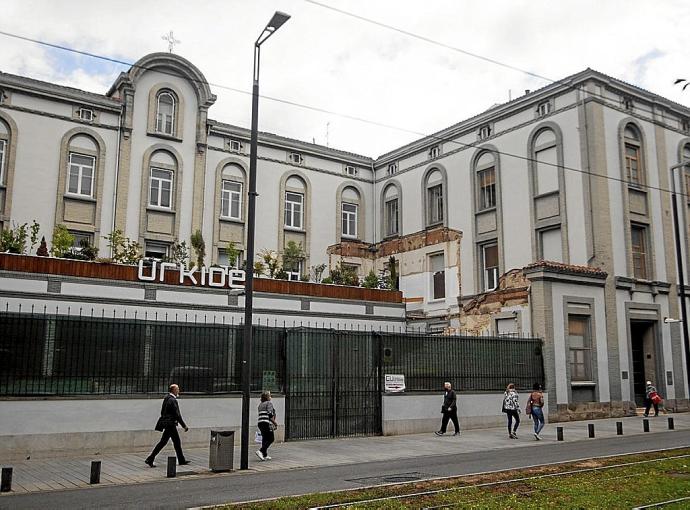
(221, 450)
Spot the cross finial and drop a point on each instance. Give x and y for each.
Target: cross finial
(171, 41)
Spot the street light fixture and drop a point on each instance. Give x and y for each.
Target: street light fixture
(278, 19)
(681, 274)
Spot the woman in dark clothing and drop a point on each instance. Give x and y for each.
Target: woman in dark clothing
(267, 424)
(511, 406)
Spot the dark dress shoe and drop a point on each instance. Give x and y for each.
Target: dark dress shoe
(149, 463)
(185, 462)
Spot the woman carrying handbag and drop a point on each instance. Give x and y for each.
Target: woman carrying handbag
(535, 408)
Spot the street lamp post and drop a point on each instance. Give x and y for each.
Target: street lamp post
(278, 19)
(679, 265)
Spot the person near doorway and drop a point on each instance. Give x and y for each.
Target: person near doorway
(167, 424)
(449, 409)
(267, 424)
(535, 408)
(511, 406)
(651, 398)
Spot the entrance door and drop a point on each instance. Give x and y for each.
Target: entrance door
(332, 384)
(643, 348)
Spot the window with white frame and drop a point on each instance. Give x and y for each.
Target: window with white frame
(486, 180)
(435, 152)
(294, 273)
(81, 239)
(489, 261)
(392, 168)
(391, 222)
(349, 219)
(160, 188)
(154, 250)
(3, 148)
(224, 260)
(235, 145)
(231, 200)
(438, 276)
(485, 131)
(580, 347)
(351, 170)
(294, 210)
(543, 108)
(295, 158)
(86, 114)
(165, 113)
(81, 174)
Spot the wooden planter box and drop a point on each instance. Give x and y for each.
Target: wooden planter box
(108, 271)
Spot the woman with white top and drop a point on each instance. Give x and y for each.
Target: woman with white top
(267, 424)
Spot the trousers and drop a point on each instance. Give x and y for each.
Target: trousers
(169, 432)
(450, 414)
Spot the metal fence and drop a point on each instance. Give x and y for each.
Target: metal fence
(45, 354)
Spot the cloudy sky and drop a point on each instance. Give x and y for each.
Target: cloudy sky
(350, 67)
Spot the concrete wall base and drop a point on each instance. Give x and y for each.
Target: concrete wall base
(677, 405)
(592, 411)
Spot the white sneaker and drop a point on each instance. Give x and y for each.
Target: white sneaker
(260, 455)
(536, 436)
(267, 458)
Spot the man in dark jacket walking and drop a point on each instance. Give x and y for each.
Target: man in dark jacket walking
(167, 423)
(449, 410)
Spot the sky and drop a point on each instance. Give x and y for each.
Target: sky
(349, 68)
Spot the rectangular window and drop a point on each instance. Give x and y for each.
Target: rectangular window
(550, 245)
(86, 114)
(3, 144)
(544, 108)
(580, 347)
(485, 132)
(294, 210)
(295, 158)
(438, 276)
(391, 219)
(158, 251)
(294, 273)
(434, 196)
(547, 170)
(487, 188)
(223, 259)
(434, 152)
(81, 169)
(235, 145)
(349, 215)
(80, 239)
(160, 193)
(351, 170)
(632, 163)
(489, 254)
(392, 168)
(231, 200)
(638, 238)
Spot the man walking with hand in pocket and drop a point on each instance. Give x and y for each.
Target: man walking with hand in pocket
(167, 423)
(449, 410)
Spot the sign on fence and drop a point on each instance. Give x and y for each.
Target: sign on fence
(394, 383)
(269, 381)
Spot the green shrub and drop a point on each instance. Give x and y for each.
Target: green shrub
(62, 243)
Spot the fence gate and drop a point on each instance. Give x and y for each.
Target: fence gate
(332, 386)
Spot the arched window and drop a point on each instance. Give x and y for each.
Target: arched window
(231, 192)
(165, 113)
(545, 155)
(434, 193)
(162, 180)
(632, 146)
(391, 211)
(4, 150)
(485, 168)
(81, 166)
(294, 203)
(349, 212)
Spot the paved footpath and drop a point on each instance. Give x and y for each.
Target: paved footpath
(36, 476)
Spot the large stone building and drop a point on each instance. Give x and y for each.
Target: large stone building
(575, 173)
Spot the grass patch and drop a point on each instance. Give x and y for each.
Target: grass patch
(615, 487)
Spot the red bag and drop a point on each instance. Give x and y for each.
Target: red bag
(655, 398)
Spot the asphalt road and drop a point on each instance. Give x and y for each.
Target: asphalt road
(244, 486)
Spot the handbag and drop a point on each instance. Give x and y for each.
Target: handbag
(655, 398)
(528, 407)
(258, 438)
(503, 409)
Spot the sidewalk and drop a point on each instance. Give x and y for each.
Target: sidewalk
(129, 468)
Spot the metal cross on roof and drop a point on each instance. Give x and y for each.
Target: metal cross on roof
(171, 41)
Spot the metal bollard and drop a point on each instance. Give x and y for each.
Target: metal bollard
(172, 467)
(619, 428)
(6, 484)
(95, 472)
(559, 433)
(645, 425)
(671, 426)
(590, 428)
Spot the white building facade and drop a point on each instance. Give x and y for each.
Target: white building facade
(575, 173)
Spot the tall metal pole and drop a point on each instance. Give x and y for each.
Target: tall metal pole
(276, 22)
(681, 274)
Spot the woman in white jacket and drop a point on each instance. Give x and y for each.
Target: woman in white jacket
(511, 406)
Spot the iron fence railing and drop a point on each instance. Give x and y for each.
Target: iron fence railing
(46, 354)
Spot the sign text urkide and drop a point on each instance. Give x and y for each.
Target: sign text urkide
(219, 277)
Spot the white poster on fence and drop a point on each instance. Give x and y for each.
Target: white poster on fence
(394, 383)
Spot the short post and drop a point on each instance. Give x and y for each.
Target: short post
(172, 467)
(671, 426)
(6, 485)
(559, 433)
(619, 428)
(590, 428)
(645, 425)
(95, 472)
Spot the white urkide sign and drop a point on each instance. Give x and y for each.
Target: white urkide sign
(394, 383)
(206, 276)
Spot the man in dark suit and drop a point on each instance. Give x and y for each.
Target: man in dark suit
(167, 423)
(449, 410)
